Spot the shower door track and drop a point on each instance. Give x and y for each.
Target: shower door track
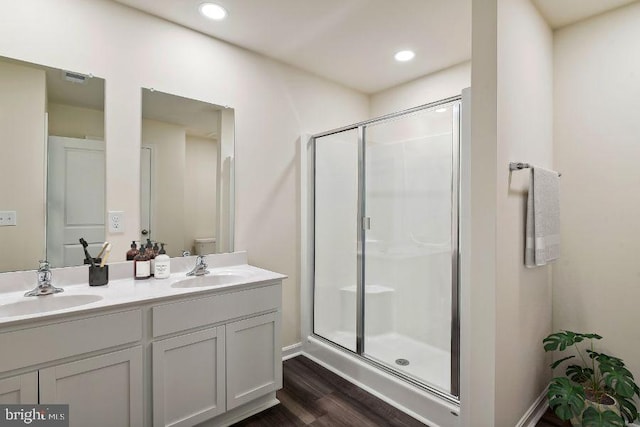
(454, 395)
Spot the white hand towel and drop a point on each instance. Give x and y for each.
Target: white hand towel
(543, 218)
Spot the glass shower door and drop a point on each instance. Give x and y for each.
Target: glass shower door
(410, 202)
(386, 243)
(336, 237)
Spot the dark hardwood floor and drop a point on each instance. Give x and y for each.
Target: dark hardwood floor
(549, 419)
(313, 396)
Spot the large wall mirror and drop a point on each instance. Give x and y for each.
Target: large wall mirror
(186, 174)
(52, 167)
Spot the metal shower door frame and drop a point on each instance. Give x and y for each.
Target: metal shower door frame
(454, 395)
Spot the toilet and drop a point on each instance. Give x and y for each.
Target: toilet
(205, 246)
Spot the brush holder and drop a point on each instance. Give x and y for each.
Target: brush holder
(98, 276)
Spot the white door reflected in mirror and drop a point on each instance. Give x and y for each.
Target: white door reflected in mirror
(75, 199)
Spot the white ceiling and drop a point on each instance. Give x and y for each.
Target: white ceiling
(560, 13)
(199, 118)
(349, 41)
(60, 91)
(353, 41)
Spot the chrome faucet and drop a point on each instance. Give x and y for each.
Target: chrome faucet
(201, 267)
(44, 286)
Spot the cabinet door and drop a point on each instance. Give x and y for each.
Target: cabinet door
(19, 389)
(188, 378)
(101, 391)
(254, 358)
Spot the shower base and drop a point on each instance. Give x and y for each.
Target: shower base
(427, 406)
(427, 364)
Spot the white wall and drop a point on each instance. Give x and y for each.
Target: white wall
(525, 134)
(131, 50)
(200, 193)
(430, 88)
(75, 122)
(597, 149)
(509, 306)
(22, 178)
(478, 331)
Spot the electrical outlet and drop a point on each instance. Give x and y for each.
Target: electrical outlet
(116, 222)
(8, 218)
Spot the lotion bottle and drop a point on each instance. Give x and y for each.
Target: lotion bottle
(162, 264)
(152, 256)
(131, 253)
(141, 266)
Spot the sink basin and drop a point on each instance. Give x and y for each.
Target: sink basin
(212, 279)
(32, 305)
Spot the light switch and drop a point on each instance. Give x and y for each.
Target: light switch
(116, 222)
(8, 218)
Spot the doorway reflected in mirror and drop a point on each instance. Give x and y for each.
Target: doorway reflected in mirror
(53, 164)
(186, 174)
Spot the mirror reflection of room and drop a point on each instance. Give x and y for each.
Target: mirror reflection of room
(184, 170)
(53, 164)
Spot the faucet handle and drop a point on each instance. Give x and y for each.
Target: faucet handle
(201, 260)
(44, 272)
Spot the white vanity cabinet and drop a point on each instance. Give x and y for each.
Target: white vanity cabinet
(104, 390)
(189, 378)
(254, 358)
(207, 357)
(19, 389)
(235, 360)
(100, 389)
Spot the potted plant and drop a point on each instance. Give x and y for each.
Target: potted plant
(598, 393)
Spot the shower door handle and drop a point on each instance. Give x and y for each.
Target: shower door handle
(366, 223)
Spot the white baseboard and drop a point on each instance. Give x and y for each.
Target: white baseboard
(291, 351)
(535, 412)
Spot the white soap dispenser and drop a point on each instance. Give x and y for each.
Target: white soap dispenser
(162, 264)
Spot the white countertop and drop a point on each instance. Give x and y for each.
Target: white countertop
(125, 291)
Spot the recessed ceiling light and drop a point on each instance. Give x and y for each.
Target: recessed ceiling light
(441, 110)
(404, 55)
(213, 11)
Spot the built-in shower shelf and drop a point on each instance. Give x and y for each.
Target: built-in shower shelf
(407, 253)
(369, 289)
(380, 318)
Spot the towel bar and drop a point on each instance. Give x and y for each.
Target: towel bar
(514, 166)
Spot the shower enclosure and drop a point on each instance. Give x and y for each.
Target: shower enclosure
(385, 243)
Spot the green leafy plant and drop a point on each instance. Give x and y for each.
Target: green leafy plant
(600, 378)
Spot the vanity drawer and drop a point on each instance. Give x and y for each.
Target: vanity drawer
(184, 315)
(28, 347)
